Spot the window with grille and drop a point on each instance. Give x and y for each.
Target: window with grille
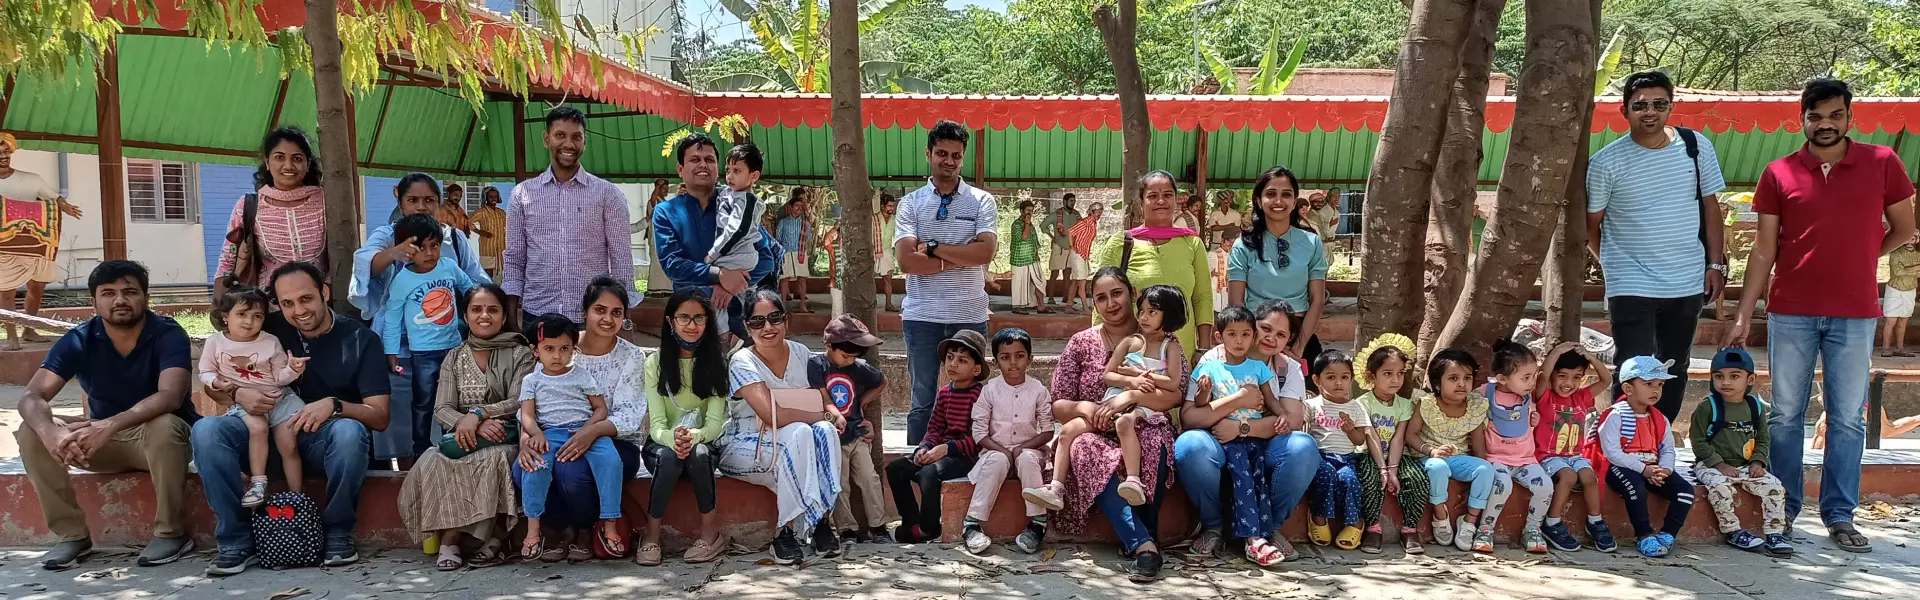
(161, 192)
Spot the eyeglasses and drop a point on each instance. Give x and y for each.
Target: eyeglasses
(1657, 105)
(688, 320)
(773, 318)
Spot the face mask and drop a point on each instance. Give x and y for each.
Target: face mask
(686, 345)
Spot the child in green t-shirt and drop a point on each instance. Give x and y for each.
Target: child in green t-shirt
(1729, 438)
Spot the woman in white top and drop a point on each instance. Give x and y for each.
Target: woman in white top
(616, 366)
(779, 439)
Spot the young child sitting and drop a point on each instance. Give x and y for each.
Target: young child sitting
(1729, 435)
(1566, 408)
(556, 401)
(849, 382)
(948, 450)
(423, 319)
(737, 226)
(1012, 423)
(1230, 377)
(1448, 429)
(1405, 480)
(1512, 417)
(1634, 447)
(1153, 353)
(238, 356)
(1345, 431)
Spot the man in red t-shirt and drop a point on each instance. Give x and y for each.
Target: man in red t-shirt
(1821, 238)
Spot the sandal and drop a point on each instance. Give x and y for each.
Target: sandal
(614, 543)
(1848, 538)
(488, 554)
(1320, 534)
(576, 554)
(533, 547)
(1263, 553)
(1410, 541)
(449, 560)
(1287, 552)
(1207, 543)
(647, 555)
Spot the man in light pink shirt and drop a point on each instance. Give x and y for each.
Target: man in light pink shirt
(564, 228)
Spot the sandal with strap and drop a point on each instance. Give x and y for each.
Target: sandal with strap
(449, 560)
(1848, 538)
(613, 542)
(1207, 543)
(1263, 553)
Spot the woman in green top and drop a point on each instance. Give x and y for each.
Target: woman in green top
(686, 409)
(1029, 278)
(1158, 253)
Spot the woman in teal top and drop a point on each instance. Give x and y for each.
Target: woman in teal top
(1280, 258)
(686, 409)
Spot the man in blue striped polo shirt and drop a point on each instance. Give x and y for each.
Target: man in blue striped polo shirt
(944, 237)
(1648, 202)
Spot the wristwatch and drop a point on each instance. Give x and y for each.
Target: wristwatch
(479, 414)
(1718, 267)
(1245, 428)
(931, 246)
(337, 406)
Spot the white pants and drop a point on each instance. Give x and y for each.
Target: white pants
(1029, 285)
(990, 473)
(1539, 486)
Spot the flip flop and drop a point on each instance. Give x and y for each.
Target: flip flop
(1848, 538)
(534, 548)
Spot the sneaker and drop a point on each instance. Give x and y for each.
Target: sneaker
(1533, 540)
(1651, 547)
(165, 550)
(786, 548)
(879, 535)
(976, 540)
(1602, 536)
(66, 555)
(256, 494)
(341, 551)
(1745, 540)
(1463, 534)
(229, 564)
(1666, 539)
(1031, 539)
(1047, 496)
(1779, 545)
(1146, 568)
(1483, 541)
(826, 543)
(1559, 537)
(1442, 531)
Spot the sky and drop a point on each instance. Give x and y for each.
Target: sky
(709, 15)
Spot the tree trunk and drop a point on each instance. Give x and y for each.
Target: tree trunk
(335, 128)
(1395, 225)
(851, 182)
(1563, 283)
(1557, 83)
(1457, 179)
(1118, 26)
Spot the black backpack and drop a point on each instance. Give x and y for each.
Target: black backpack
(286, 532)
(1717, 412)
(1693, 154)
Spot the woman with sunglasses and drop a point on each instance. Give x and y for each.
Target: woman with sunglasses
(1281, 258)
(775, 419)
(1159, 253)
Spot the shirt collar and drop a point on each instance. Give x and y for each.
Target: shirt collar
(580, 178)
(1808, 160)
(958, 190)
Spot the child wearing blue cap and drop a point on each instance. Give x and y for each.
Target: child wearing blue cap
(1729, 436)
(1635, 450)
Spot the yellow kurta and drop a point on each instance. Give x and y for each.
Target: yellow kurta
(1181, 263)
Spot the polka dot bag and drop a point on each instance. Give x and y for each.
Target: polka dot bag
(286, 532)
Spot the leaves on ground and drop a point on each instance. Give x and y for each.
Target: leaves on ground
(289, 593)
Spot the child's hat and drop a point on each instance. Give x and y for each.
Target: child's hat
(1645, 367)
(847, 329)
(969, 339)
(1733, 358)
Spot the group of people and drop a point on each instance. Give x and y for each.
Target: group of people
(546, 412)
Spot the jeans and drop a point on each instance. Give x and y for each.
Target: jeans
(1661, 328)
(600, 457)
(340, 448)
(1136, 525)
(903, 473)
(1477, 472)
(1845, 347)
(423, 379)
(923, 367)
(1292, 460)
(667, 466)
(574, 501)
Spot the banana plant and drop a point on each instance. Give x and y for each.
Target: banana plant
(797, 43)
(1609, 62)
(1270, 80)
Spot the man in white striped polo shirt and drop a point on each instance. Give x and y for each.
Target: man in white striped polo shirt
(943, 241)
(1648, 202)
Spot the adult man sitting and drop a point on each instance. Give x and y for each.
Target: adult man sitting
(346, 389)
(134, 366)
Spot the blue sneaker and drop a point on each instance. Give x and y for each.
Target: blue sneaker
(1666, 539)
(1560, 538)
(1778, 545)
(1651, 547)
(1602, 536)
(1745, 540)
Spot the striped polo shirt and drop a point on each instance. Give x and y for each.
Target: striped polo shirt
(957, 295)
(1650, 240)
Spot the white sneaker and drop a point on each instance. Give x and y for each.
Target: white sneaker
(1047, 496)
(977, 540)
(256, 494)
(1463, 532)
(1442, 531)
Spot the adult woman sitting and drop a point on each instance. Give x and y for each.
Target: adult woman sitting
(686, 409)
(1160, 253)
(290, 213)
(616, 366)
(470, 490)
(1292, 457)
(1094, 460)
(1281, 258)
(776, 420)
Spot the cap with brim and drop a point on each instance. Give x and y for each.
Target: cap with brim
(847, 329)
(1645, 367)
(1733, 358)
(973, 341)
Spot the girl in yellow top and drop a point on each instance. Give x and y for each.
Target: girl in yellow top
(1448, 429)
(1158, 253)
(686, 409)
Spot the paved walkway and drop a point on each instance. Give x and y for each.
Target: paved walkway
(1066, 572)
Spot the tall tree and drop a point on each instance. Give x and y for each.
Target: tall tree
(1117, 30)
(335, 129)
(1456, 181)
(1556, 77)
(850, 179)
(1395, 220)
(1563, 283)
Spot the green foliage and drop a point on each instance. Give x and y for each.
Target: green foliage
(45, 36)
(1609, 63)
(794, 39)
(1273, 79)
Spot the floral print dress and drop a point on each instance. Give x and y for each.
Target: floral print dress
(1096, 458)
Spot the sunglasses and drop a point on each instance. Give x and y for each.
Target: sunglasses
(1283, 260)
(773, 318)
(945, 201)
(1658, 105)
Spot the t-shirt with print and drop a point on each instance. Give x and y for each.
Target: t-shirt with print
(1903, 268)
(1830, 229)
(423, 309)
(846, 387)
(1324, 423)
(560, 400)
(1228, 378)
(959, 294)
(1563, 424)
(1650, 240)
(1386, 418)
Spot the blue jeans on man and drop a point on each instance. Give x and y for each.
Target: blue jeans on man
(1200, 460)
(1844, 346)
(340, 449)
(923, 368)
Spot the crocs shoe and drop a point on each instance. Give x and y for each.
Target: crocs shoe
(1320, 534)
(1745, 540)
(1601, 536)
(1534, 541)
(1666, 539)
(1348, 539)
(1651, 547)
(1559, 537)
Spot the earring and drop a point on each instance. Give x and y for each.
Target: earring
(626, 325)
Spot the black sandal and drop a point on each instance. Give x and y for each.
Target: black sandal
(1848, 538)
